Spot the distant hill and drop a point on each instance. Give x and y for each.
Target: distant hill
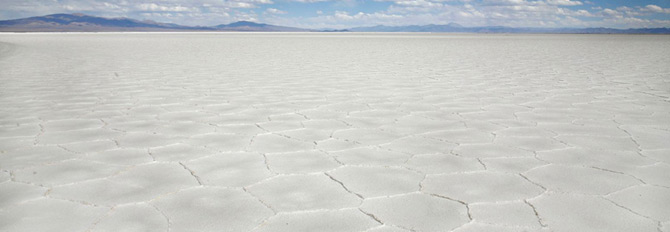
(456, 28)
(251, 26)
(81, 22)
(451, 27)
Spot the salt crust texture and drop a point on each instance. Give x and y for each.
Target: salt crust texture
(334, 132)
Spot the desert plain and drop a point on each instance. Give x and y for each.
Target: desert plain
(334, 132)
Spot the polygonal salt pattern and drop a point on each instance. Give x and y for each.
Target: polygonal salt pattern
(331, 220)
(69, 171)
(512, 164)
(212, 208)
(14, 193)
(649, 138)
(300, 162)
(137, 184)
(20, 131)
(460, 136)
(539, 132)
(482, 186)
(278, 126)
(370, 156)
(33, 215)
(267, 143)
(533, 143)
(620, 161)
(417, 212)
(229, 169)
(243, 130)
(474, 227)
(490, 151)
(333, 144)
(411, 125)
(131, 125)
(377, 181)
(90, 146)
(657, 174)
(121, 156)
(303, 192)
(179, 152)
(134, 217)
(184, 129)
(443, 163)
(512, 214)
(571, 179)
(646, 200)
(365, 136)
(307, 134)
(580, 129)
(31, 156)
(367, 122)
(72, 124)
(222, 142)
(312, 141)
(325, 124)
(386, 228)
(660, 155)
(73, 136)
(292, 117)
(599, 142)
(573, 212)
(419, 145)
(146, 140)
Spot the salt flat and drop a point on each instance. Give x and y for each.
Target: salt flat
(334, 132)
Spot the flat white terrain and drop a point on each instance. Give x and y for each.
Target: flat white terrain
(334, 132)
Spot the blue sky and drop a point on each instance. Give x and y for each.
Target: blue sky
(353, 13)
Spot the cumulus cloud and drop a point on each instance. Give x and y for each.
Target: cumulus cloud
(418, 3)
(308, 1)
(656, 9)
(364, 16)
(156, 7)
(345, 13)
(240, 5)
(564, 2)
(274, 11)
(517, 13)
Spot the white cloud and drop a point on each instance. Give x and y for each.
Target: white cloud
(156, 7)
(345, 16)
(520, 13)
(610, 12)
(656, 9)
(240, 5)
(275, 11)
(245, 16)
(564, 2)
(417, 3)
(308, 1)
(583, 13)
(504, 2)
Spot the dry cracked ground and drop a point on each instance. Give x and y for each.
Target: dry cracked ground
(334, 132)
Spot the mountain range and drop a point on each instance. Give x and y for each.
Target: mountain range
(87, 23)
(84, 23)
(456, 28)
